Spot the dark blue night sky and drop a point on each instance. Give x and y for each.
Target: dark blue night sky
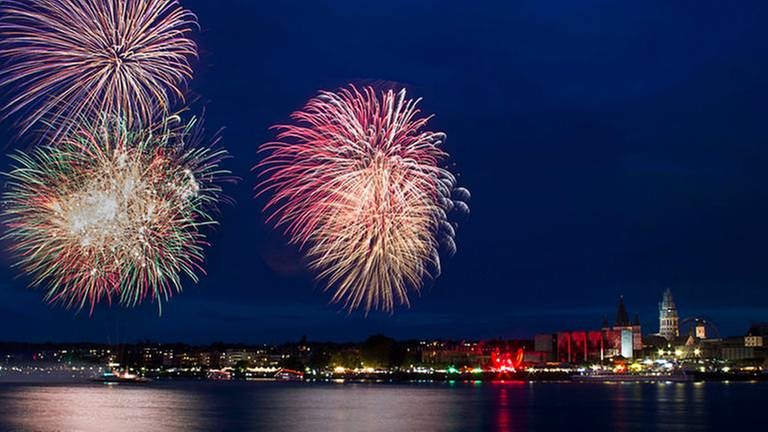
(611, 149)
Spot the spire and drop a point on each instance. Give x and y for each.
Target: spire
(622, 318)
(668, 318)
(667, 302)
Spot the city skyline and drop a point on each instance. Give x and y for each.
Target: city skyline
(592, 177)
(650, 326)
(410, 215)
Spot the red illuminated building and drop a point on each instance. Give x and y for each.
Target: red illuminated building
(622, 339)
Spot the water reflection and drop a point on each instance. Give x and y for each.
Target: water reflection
(458, 406)
(370, 407)
(99, 408)
(667, 406)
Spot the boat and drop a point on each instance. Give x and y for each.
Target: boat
(117, 377)
(289, 375)
(219, 375)
(610, 377)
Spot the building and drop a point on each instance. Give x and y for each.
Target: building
(151, 357)
(734, 349)
(622, 339)
(754, 341)
(451, 353)
(235, 357)
(669, 322)
(473, 354)
(700, 329)
(170, 360)
(544, 344)
(757, 336)
(629, 333)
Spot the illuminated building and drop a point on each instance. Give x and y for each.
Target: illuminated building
(151, 357)
(624, 339)
(753, 341)
(735, 349)
(580, 346)
(595, 345)
(668, 320)
(757, 336)
(701, 329)
(698, 339)
(236, 357)
(630, 333)
(544, 344)
(169, 360)
(494, 354)
(626, 343)
(209, 359)
(453, 353)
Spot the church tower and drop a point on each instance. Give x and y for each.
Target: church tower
(668, 319)
(622, 317)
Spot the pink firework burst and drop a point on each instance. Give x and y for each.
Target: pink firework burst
(357, 183)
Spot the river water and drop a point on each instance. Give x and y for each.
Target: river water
(277, 406)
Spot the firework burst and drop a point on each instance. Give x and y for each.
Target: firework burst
(111, 214)
(73, 58)
(357, 184)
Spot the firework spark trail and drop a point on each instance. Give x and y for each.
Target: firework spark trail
(358, 185)
(108, 213)
(69, 59)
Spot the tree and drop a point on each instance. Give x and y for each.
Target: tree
(377, 351)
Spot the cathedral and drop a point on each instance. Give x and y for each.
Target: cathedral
(624, 338)
(669, 324)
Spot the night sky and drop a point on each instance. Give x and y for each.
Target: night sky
(611, 149)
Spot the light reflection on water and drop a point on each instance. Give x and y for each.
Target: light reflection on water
(100, 408)
(511, 406)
